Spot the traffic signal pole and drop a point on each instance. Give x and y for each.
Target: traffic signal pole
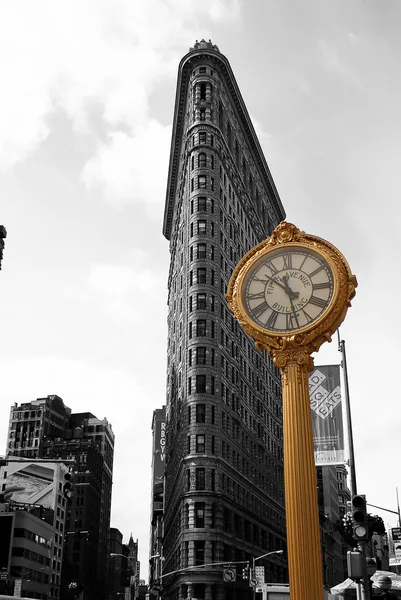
(341, 348)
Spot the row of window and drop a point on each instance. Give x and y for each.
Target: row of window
(198, 328)
(199, 384)
(199, 276)
(200, 444)
(202, 138)
(200, 413)
(201, 203)
(203, 182)
(202, 161)
(200, 228)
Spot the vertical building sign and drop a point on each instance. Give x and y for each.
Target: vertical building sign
(394, 546)
(327, 418)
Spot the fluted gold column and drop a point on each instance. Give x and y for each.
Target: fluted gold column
(301, 503)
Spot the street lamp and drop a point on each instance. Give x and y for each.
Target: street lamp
(113, 554)
(258, 558)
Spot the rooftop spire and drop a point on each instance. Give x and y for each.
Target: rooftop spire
(204, 45)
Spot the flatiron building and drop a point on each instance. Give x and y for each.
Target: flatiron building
(224, 489)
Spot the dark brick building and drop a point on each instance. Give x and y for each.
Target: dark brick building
(224, 496)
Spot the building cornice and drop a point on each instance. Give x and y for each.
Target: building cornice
(184, 73)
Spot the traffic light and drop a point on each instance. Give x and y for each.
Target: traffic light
(67, 486)
(359, 518)
(245, 572)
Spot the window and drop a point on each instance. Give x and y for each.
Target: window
(212, 385)
(229, 135)
(201, 203)
(190, 330)
(201, 355)
(236, 153)
(201, 301)
(200, 443)
(201, 227)
(200, 384)
(192, 163)
(221, 116)
(201, 251)
(200, 479)
(192, 184)
(201, 275)
(202, 160)
(211, 161)
(202, 182)
(200, 327)
(199, 551)
(203, 91)
(199, 514)
(202, 137)
(201, 413)
(202, 115)
(212, 479)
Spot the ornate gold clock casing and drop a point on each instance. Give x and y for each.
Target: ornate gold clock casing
(290, 293)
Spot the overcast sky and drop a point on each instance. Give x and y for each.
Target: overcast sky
(86, 105)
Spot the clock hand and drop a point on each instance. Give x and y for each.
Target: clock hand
(274, 280)
(293, 310)
(287, 288)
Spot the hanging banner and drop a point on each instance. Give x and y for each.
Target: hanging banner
(394, 546)
(327, 417)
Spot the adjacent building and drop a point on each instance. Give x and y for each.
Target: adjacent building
(329, 513)
(32, 493)
(157, 497)
(46, 428)
(224, 492)
(3, 235)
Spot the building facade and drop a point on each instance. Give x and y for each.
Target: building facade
(157, 499)
(224, 491)
(329, 513)
(46, 428)
(36, 498)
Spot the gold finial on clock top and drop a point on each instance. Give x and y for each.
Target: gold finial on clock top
(290, 293)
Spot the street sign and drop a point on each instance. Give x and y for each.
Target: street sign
(229, 574)
(253, 582)
(395, 546)
(17, 587)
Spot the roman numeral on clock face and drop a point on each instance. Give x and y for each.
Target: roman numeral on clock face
(321, 286)
(316, 271)
(256, 295)
(287, 261)
(260, 308)
(272, 268)
(271, 321)
(317, 301)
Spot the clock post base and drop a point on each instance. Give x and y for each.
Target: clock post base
(301, 502)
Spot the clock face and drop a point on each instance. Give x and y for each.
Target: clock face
(288, 289)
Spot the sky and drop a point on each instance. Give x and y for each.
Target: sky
(86, 108)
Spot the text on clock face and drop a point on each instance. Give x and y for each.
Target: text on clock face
(288, 289)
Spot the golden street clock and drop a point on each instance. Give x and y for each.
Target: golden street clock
(292, 283)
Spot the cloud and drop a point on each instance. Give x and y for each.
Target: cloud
(130, 169)
(67, 54)
(124, 292)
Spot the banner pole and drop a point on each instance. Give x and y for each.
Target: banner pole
(341, 348)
